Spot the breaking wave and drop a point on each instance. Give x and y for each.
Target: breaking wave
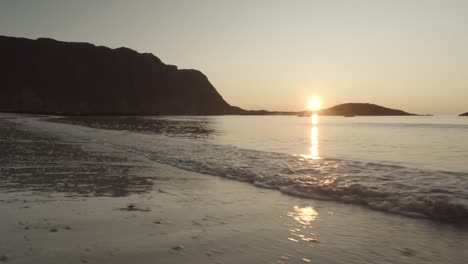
(438, 195)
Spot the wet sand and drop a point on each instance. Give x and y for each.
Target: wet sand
(64, 200)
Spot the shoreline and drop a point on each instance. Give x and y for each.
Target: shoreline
(176, 153)
(160, 213)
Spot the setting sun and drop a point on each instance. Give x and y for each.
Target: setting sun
(254, 131)
(314, 104)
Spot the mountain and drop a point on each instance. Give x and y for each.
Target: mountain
(54, 77)
(464, 114)
(360, 109)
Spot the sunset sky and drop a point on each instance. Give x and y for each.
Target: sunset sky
(275, 55)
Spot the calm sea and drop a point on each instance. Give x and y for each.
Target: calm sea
(437, 143)
(415, 166)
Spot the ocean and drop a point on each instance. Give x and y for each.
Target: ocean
(414, 166)
(233, 189)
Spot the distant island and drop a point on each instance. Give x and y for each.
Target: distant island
(464, 114)
(46, 76)
(357, 109)
(360, 109)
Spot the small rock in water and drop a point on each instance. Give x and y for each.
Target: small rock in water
(26, 227)
(67, 227)
(53, 230)
(3, 258)
(157, 222)
(178, 247)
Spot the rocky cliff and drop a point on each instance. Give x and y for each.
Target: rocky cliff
(54, 77)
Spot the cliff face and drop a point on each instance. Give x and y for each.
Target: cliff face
(360, 109)
(53, 77)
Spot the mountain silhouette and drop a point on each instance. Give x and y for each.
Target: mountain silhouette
(362, 109)
(54, 77)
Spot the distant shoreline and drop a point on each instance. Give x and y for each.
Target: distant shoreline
(298, 114)
(349, 109)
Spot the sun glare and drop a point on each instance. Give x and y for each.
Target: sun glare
(314, 104)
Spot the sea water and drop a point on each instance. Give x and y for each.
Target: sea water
(413, 166)
(101, 163)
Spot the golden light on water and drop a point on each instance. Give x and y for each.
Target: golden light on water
(314, 152)
(303, 215)
(314, 139)
(314, 119)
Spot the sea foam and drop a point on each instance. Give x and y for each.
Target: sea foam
(438, 195)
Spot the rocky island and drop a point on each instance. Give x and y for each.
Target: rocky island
(357, 109)
(362, 109)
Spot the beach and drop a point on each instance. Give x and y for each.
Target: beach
(66, 199)
(226, 132)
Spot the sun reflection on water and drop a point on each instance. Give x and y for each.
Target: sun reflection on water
(303, 215)
(302, 232)
(314, 140)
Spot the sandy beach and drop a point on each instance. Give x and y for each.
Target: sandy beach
(227, 132)
(80, 202)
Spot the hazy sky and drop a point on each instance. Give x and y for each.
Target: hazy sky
(268, 54)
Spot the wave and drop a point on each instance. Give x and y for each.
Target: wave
(438, 195)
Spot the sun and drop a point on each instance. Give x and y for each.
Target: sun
(314, 104)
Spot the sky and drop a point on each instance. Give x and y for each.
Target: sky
(276, 55)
